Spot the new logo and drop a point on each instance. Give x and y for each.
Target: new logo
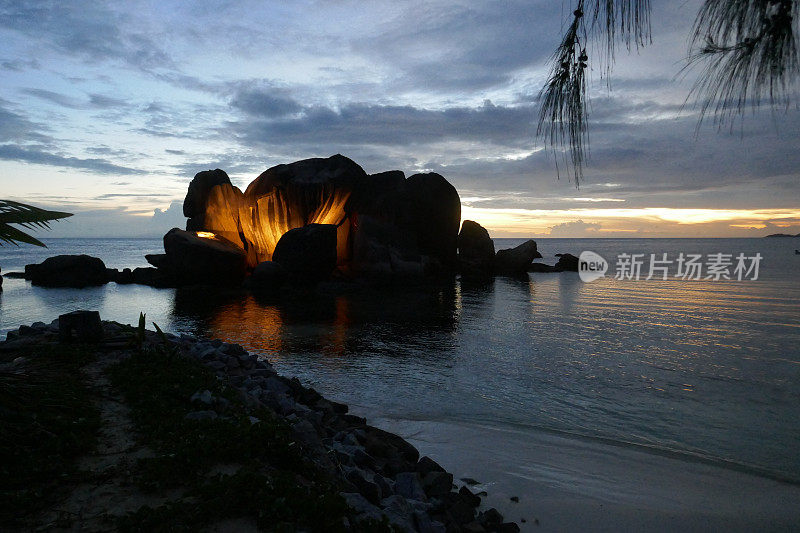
(591, 266)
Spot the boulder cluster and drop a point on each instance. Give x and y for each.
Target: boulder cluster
(307, 222)
(380, 473)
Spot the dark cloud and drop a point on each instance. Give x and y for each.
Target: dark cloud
(465, 46)
(94, 101)
(265, 103)
(104, 102)
(17, 128)
(20, 65)
(85, 28)
(390, 125)
(54, 97)
(38, 156)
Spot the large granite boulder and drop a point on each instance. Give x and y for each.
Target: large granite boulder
(377, 195)
(308, 253)
(381, 249)
(192, 259)
(422, 212)
(430, 213)
(194, 205)
(516, 260)
(475, 250)
(284, 197)
(68, 271)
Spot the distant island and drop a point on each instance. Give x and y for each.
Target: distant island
(782, 235)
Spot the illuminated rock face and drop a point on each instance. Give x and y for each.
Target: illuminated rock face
(421, 214)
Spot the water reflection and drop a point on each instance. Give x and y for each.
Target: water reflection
(332, 324)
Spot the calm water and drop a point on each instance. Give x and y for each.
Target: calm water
(704, 369)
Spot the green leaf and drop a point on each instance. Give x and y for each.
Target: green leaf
(27, 216)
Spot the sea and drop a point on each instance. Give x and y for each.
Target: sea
(695, 367)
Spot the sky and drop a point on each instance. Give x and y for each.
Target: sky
(108, 109)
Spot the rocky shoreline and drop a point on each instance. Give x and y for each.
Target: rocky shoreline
(379, 474)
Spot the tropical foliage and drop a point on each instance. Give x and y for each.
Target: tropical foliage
(746, 51)
(28, 217)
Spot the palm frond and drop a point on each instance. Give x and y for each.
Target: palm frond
(749, 57)
(27, 216)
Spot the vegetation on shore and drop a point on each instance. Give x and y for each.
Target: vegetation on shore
(245, 464)
(48, 420)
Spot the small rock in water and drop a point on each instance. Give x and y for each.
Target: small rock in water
(515, 499)
(470, 481)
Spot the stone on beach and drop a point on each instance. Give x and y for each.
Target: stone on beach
(85, 325)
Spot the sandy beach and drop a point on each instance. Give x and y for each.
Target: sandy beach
(575, 485)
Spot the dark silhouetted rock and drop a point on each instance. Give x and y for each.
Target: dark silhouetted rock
(194, 205)
(475, 250)
(157, 260)
(381, 249)
(308, 253)
(567, 262)
(152, 277)
(437, 483)
(516, 260)
(193, 260)
(468, 497)
(68, 271)
(121, 277)
(426, 465)
(430, 212)
(541, 267)
(268, 276)
(377, 195)
(80, 326)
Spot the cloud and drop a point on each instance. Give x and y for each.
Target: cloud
(85, 28)
(120, 222)
(15, 127)
(20, 65)
(373, 124)
(576, 228)
(37, 156)
(265, 103)
(151, 196)
(463, 46)
(94, 101)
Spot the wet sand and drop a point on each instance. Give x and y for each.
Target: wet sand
(575, 485)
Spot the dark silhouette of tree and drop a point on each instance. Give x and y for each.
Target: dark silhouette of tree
(746, 51)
